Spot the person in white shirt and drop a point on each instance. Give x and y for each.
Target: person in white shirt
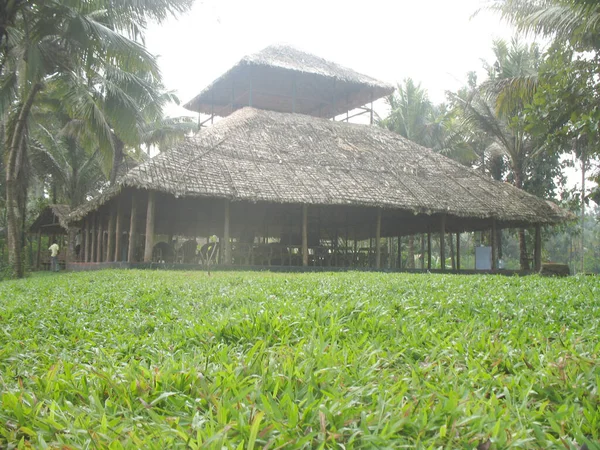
(54, 257)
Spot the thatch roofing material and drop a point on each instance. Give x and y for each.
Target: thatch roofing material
(52, 216)
(257, 155)
(278, 74)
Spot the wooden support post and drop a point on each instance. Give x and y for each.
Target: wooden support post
(443, 242)
(422, 258)
(493, 238)
(119, 233)
(305, 235)
(458, 252)
(250, 90)
(39, 249)
(110, 239)
(226, 236)
(355, 256)
(377, 240)
(82, 241)
(428, 250)
(132, 231)
(88, 240)
(537, 252)
(371, 121)
(93, 240)
(71, 239)
(99, 241)
(149, 245)
(294, 92)
(399, 252)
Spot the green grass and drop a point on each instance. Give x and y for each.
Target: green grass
(141, 359)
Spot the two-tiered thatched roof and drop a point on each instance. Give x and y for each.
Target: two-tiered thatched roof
(282, 78)
(265, 156)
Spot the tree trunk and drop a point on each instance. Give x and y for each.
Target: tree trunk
(118, 157)
(13, 167)
(524, 261)
(523, 250)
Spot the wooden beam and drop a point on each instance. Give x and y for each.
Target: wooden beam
(132, 230)
(377, 240)
(493, 244)
(119, 233)
(537, 251)
(226, 236)
(458, 252)
(443, 242)
(149, 245)
(305, 235)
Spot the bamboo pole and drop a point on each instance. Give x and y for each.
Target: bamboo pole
(305, 235)
(132, 231)
(377, 240)
(149, 244)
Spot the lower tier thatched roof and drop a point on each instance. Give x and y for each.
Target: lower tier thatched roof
(264, 156)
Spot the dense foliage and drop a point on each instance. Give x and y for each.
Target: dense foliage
(132, 359)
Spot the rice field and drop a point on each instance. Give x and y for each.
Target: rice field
(157, 359)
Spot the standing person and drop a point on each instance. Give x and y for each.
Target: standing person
(54, 256)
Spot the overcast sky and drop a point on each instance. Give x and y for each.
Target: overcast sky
(436, 42)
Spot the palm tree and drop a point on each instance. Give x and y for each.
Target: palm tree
(488, 110)
(410, 116)
(575, 21)
(74, 172)
(65, 44)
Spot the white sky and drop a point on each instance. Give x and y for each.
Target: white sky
(436, 42)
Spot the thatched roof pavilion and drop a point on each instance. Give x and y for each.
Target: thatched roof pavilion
(303, 179)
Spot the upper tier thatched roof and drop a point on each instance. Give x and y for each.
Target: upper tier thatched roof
(257, 155)
(285, 79)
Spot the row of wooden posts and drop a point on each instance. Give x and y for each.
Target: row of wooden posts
(94, 251)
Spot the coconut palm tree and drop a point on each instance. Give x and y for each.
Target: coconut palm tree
(65, 44)
(489, 110)
(576, 21)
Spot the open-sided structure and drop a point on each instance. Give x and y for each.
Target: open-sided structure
(281, 183)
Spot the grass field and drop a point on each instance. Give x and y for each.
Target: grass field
(141, 359)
